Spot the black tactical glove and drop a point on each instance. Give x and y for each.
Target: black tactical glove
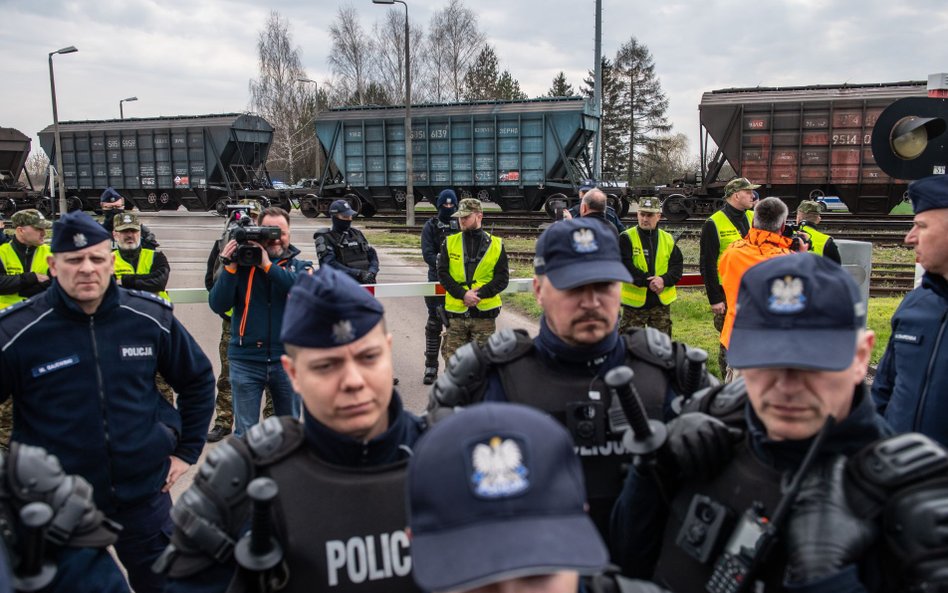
(823, 533)
(369, 278)
(700, 445)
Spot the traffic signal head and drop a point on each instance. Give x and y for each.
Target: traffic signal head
(909, 140)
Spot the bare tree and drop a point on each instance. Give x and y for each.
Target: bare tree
(454, 42)
(352, 55)
(389, 35)
(278, 96)
(37, 167)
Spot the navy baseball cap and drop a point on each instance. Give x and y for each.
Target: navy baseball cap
(798, 311)
(580, 251)
(496, 492)
(587, 184)
(328, 309)
(77, 230)
(341, 207)
(929, 193)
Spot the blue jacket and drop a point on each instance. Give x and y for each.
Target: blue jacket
(909, 385)
(83, 387)
(255, 335)
(640, 513)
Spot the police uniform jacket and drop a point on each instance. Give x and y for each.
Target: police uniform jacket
(909, 386)
(25, 284)
(255, 336)
(84, 388)
(639, 534)
(330, 257)
(339, 450)
(711, 250)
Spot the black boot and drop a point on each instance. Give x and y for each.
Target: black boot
(432, 346)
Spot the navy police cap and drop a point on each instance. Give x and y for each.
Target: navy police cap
(579, 251)
(797, 311)
(495, 491)
(929, 193)
(76, 230)
(328, 309)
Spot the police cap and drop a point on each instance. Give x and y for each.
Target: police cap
(77, 230)
(929, 193)
(328, 309)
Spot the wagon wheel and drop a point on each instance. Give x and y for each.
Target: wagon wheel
(549, 205)
(674, 209)
(355, 202)
(483, 195)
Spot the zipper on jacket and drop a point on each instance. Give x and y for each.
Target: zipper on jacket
(928, 374)
(105, 424)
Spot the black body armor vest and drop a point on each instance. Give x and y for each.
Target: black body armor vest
(352, 250)
(527, 380)
(742, 483)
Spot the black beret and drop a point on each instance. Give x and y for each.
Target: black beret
(929, 193)
(328, 309)
(77, 230)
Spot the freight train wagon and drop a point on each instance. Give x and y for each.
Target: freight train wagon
(14, 195)
(200, 161)
(800, 143)
(515, 153)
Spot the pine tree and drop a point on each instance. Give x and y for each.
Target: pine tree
(480, 82)
(508, 88)
(560, 87)
(641, 109)
(613, 157)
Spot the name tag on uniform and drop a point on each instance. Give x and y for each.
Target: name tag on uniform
(907, 338)
(55, 365)
(133, 352)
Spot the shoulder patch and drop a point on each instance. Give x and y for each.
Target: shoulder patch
(322, 231)
(150, 296)
(13, 308)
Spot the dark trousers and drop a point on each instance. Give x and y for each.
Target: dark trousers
(146, 531)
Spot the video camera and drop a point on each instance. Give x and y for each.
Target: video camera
(242, 228)
(792, 231)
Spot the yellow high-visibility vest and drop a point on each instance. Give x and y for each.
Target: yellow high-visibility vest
(13, 267)
(634, 296)
(483, 274)
(727, 232)
(145, 259)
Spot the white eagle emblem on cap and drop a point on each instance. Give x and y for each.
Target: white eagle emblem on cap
(127, 218)
(584, 241)
(498, 468)
(342, 332)
(79, 240)
(786, 295)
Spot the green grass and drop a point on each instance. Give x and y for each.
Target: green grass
(903, 208)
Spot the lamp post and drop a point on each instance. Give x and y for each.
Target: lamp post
(121, 111)
(409, 169)
(316, 93)
(59, 145)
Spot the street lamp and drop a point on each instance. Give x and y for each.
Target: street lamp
(316, 93)
(122, 112)
(59, 145)
(409, 169)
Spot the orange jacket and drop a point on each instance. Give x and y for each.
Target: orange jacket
(737, 259)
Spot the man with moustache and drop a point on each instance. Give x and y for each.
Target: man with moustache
(257, 296)
(577, 283)
(862, 520)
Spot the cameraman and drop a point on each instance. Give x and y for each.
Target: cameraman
(257, 295)
(765, 240)
(808, 216)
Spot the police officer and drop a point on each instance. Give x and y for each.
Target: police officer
(137, 267)
(54, 538)
(594, 202)
(908, 388)
(473, 269)
(344, 247)
(655, 264)
(112, 204)
(809, 215)
(340, 511)
(496, 503)
(562, 370)
(79, 363)
(701, 519)
(730, 223)
(433, 234)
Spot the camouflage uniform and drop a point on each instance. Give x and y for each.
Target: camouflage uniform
(6, 423)
(466, 329)
(658, 317)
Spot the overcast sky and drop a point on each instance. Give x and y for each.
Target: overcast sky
(185, 57)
